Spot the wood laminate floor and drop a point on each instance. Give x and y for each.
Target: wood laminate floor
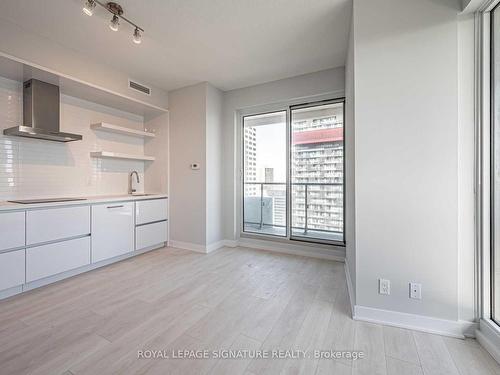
(234, 299)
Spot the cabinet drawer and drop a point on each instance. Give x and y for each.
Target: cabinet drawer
(12, 229)
(11, 269)
(150, 211)
(150, 234)
(56, 224)
(112, 230)
(51, 259)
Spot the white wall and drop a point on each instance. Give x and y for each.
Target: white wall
(467, 277)
(156, 173)
(188, 145)
(22, 44)
(34, 168)
(327, 83)
(407, 147)
(214, 175)
(349, 123)
(196, 195)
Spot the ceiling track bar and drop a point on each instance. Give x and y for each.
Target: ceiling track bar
(119, 15)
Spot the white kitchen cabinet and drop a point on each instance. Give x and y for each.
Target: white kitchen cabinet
(112, 230)
(148, 211)
(57, 224)
(12, 230)
(150, 234)
(51, 259)
(12, 269)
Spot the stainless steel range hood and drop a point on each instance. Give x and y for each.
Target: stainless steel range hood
(41, 114)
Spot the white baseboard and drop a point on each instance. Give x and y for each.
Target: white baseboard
(188, 246)
(6, 293)
(215, 246)
(489, 339)
(204, 249)
(292, 249)
(230, 243)
(452, 328)
(350, 288)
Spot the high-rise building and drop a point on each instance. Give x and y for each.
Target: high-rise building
(318, 170)
(250, 169)
(268, 174)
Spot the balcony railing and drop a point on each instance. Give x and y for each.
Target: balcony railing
(307, 198)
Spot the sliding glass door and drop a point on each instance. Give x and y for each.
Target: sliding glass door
(317, 171)
(264, 174)
(293, 172)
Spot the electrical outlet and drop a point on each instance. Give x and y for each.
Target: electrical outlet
(415, 291)
(384, 286)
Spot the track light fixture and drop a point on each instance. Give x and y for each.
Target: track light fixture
(117, 11)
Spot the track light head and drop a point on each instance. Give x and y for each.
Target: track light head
(137, 36)
(115, 22)
(89, 7)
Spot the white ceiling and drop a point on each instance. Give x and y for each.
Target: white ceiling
(229, 43)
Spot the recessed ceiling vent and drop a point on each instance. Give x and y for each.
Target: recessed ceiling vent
(138, 87)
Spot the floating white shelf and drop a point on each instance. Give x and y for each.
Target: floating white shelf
(117, 155)
(110, 128)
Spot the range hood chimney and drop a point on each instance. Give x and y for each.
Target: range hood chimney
(41, 114)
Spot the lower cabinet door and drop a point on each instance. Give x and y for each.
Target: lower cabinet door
(150, 235)
(54, 258)
(112, 230)
(12, 230)
(11, 269)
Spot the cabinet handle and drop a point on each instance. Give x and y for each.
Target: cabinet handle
(115, 206)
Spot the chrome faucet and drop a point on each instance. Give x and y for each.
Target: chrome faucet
(130, 189)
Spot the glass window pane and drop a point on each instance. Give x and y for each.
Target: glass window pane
(317, 172)
(264, 174)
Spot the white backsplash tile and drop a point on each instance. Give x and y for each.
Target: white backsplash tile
(37, 168)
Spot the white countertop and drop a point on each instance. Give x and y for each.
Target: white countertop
(8, 206)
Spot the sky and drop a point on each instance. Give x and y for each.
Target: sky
(271, 151)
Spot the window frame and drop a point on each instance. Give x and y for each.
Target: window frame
(239, 186)
(488, 333)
